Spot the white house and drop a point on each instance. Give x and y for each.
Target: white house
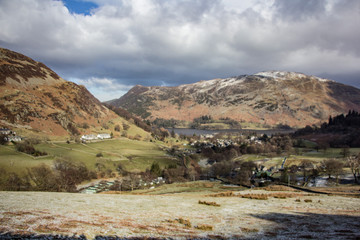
(103, 136)
(13, 138)
(5, 131)
(89, 137)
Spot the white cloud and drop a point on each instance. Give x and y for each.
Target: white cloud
(156, 42)
(103, 88)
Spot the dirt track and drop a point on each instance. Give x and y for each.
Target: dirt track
(180, 216)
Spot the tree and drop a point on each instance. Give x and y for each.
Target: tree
(345, 152)
(246, 171)
(43, 178)
(306, 166)
(332, 167)
(3, 139)
(69, 174)
(354, 164)
(15, 183)
(172, 133)
(155, 169)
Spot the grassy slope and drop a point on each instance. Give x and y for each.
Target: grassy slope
(133, 155)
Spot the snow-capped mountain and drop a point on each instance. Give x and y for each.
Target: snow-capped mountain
(270, 97)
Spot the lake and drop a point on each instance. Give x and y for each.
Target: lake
(191, 132)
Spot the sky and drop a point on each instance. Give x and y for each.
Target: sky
(112, 45)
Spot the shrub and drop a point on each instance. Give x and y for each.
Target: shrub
(72, 129)
(99, 155)
(84, 125)
(186, 222)
(307, 200)
(28, 148)
(43, 178)
(126, 126)
(117, 128)
(209, 203)
(255, 196)
(204, 227)
(249, 230)
(137, 137)
(223, 194)
(155, 169)
(69, 174)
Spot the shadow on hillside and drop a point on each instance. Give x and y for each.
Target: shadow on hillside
(311, 225)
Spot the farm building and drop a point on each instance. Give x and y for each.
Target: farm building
(103, 136)
(89, 137)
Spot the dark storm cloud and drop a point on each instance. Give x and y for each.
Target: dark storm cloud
(298, 10)
(155, 42)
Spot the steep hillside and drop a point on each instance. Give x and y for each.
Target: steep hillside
(267, 98)
(34, 99)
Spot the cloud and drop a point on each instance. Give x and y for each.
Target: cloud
(104, 88)
(155, 42)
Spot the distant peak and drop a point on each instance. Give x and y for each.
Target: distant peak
(288, 75)
(280, 74)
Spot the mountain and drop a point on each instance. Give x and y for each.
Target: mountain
(35, 100)
(267, 98)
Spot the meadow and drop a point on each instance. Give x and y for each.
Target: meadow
(133, 155)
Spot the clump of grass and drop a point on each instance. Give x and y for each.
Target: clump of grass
(307, 200)
(249, 230)
(280, 197)
(204, 227)
(255, 196)
(209, 203)
(47, 228)
(298, 200)
(223, 194)
(283, 195)
(279, 188)
(186, 222)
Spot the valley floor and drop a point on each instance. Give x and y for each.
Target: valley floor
(180, 216)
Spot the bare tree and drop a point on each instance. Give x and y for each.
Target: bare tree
(43, 178)
(306, 167)
(333, 167)
(354, 164)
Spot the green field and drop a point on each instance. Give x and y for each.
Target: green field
(131, 154)
(296, 158)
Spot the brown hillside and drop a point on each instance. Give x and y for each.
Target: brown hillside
(268, 98)
(34, 99)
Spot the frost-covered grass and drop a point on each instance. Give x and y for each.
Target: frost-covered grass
(180, 216)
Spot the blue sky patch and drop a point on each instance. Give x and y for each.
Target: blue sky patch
(80, 6)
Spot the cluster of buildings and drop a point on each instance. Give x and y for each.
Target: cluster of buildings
(119, 185)
(217, 143)
(9, 136)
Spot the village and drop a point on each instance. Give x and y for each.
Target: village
(8, 135)
(123, 184)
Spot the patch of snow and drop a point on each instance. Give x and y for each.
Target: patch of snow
(288, 75)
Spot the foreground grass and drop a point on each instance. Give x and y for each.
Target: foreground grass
(282, 215)
(203, 187)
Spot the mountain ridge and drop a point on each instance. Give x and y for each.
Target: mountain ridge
(36, 100)
(268, 98)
